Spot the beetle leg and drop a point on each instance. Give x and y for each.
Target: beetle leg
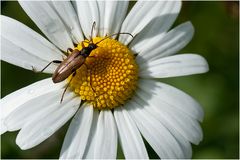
(54, 61)
(69, 50)
(63, 57)
(83, 46)
(90, 77)
(75, 44)
(74, 73)
(91, 82)
(34, 70)
(86, 41)
(96, 56)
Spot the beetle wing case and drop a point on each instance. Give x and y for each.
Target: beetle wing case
(68, 66)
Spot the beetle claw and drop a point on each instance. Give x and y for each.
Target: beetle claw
(34, 70)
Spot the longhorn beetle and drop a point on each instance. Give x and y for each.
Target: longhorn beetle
(75, 60)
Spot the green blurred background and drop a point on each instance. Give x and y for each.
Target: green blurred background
(216, 38)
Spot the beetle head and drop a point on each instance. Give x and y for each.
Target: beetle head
(92, 46)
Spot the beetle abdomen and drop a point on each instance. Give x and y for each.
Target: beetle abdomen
(67, 67)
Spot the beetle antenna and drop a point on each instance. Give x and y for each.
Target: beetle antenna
(93, 27)
(114, 35)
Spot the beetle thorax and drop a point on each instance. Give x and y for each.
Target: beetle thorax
(86, 51)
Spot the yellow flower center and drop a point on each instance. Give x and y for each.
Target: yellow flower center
(108, 77)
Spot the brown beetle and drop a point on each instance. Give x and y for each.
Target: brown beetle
(74, 61)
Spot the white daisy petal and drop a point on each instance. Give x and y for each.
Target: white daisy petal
(48, 22)
(158, 136)
(3, 128)
(88, 13)
(12, 101)
(157, 28)
(32, 109)
(24, 37)
(183, 124)
(24, 47)
(106, 136)
(174, 97)
(130, 138)
(33, 133)
(149, 13)
(20, 57)
(89, 150)
(101, 8)
(174, 66)
(177, 118)
(77, 135)
(115, 14)
(112, 14)
(170, 43)
(165, 119)
(70, 18)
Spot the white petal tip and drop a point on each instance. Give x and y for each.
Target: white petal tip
(22, 145)
(190, 26)
(3, 127)
(3, 130)
(175, 66)
(204, 64)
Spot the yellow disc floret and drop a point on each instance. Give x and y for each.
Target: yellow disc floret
(108, 78)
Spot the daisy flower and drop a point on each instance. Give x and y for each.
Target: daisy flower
(116, 94)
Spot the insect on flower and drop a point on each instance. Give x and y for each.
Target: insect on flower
(75, 60)
(115, 97)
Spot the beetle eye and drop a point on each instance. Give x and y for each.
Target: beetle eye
(93, 46)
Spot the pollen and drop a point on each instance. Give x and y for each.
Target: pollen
(108, 77)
